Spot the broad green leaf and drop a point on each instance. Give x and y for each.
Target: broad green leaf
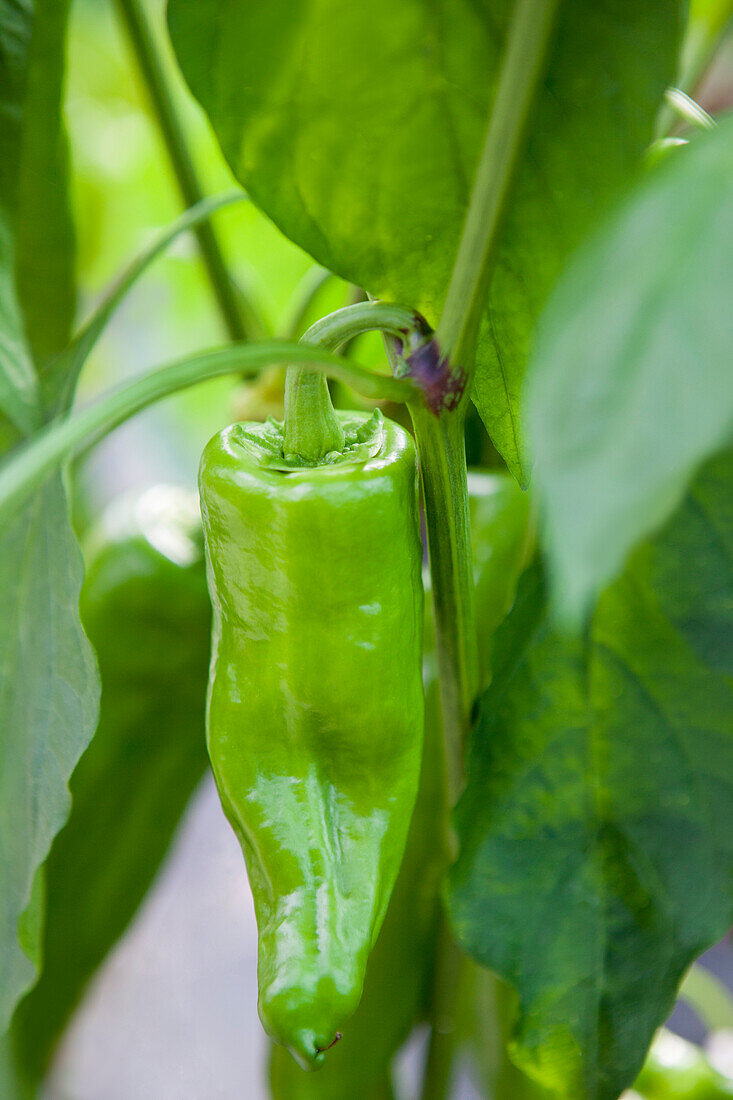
(16, 20)
(147, 613)
(44, 231)
(48, 684)
(596, 829)
(631, 385)
(11, 1088)
(48, 711)
(357, 128)
(33, 176)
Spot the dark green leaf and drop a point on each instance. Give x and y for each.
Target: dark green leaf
(596, 828)
(48, 683)
(44, 231)
(48, 711)
(16, 20)
(631, 386)
(18, 384)
(33, 173)
(147, 613)
(357, 128)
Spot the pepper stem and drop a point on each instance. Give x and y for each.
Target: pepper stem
(311, 428)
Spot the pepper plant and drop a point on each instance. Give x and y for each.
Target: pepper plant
(524, 854)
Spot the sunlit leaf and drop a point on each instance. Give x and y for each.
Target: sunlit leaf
(631, 387)
(357, 128)
(48, 711)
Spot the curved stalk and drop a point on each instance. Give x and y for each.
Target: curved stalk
(406, 325)
(311, 426)
(441, 449)
(27, 467)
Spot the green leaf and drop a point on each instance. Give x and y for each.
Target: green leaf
(16, 18)
(19, 397)
(18, 383)
(44, 232)
(596, 827)
(147, 613)
(33, 173)
(48, 683)
(630, 388)
(357, 129)
(48, 711)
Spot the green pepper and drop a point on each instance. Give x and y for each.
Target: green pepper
(315, 706)
(360, 1064)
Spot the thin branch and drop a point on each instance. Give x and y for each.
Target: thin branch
(240, 317)
(30, 464)
(522, 65)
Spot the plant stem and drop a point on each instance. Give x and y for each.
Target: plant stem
(27, 467)
(311, 426)
(440, 441)
(441, 449)
(521, 67)
(449, 966)
(239, 316)
(350, 321)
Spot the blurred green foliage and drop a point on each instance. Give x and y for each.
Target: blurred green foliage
(123, 193)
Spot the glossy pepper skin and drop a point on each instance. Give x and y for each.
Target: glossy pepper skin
(315, 706)
(400, 971)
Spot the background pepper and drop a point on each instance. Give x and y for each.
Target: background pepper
(145, 608)
(315, 709)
